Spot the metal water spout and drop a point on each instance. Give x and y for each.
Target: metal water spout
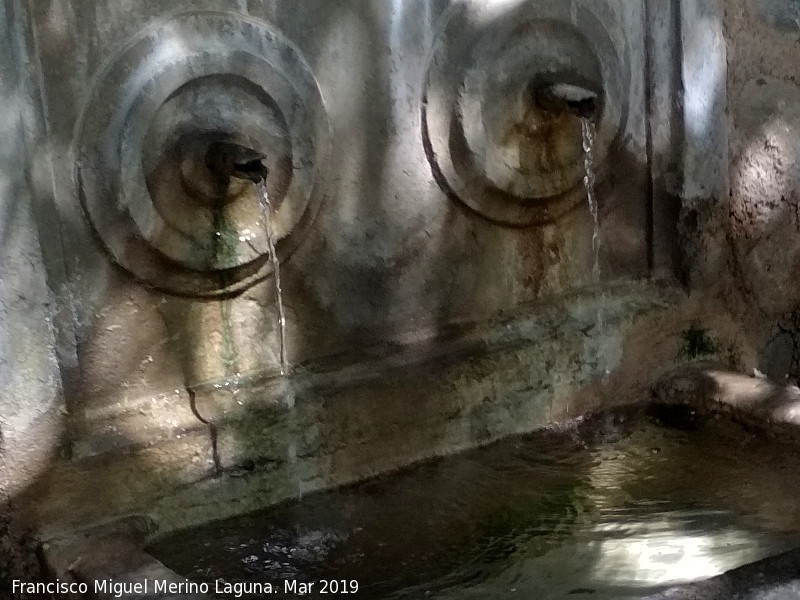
(228, 159)
(567, 97)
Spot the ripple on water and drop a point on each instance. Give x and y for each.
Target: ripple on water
(613, 510)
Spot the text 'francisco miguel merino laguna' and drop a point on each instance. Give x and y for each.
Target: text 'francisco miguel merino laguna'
(122, 589)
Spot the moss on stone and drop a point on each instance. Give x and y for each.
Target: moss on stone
(696, 342)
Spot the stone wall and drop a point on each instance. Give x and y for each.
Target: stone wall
(765, 149)
(740, 178)
(29, 375)
(740, 241)
(401, 228)
(392, 245)
(30, 387)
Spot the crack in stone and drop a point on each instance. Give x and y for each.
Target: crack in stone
(212, 430)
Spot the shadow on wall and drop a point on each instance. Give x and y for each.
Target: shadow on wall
(765, 198)
(756, 228)
(30, 423)
(763, 216)
(138, 470)
(27, 370)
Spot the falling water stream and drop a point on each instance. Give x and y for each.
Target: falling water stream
(266, 208)
(589, 134)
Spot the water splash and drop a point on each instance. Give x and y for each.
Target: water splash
(266, 209)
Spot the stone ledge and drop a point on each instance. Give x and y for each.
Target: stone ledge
(753, 400)
(111, 553)
(274, 441)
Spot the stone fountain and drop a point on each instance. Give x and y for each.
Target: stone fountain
(425, 173)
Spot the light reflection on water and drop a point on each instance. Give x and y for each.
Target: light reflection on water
(618, 508)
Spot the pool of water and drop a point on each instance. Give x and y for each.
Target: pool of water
(619, 506)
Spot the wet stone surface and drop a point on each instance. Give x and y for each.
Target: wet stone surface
(783, 15)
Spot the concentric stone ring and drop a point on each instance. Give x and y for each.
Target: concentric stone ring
(490, 144)
(172, 92)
